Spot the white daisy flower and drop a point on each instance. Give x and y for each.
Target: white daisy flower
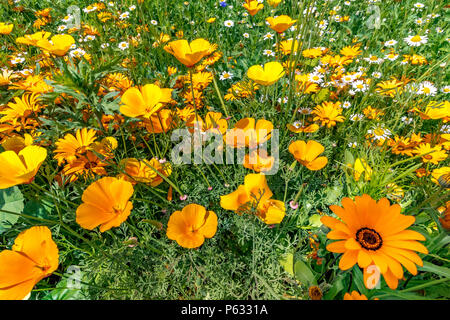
(445, 89)
(373, 60)
(427, 88)
(315, 77)
(268, 53)
(416, 41)
(123, 45)
(226, 76)
(346, 105)
(228, 23)
(246, 35)
(356, 117)
(390, 43)
(391, 56)
(104, 45)
(268, 36)
(376, 75)
(61, 28)
(124, 15)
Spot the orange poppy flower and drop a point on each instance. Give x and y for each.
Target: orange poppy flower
(190, 226)
(162, 121)
(281, 23)
(253, 6)
(105, 204)
(255, 190)
(373, 234)
(307, 154)
(354, 296)
(259, 161)
(33, 257)
(144, 171)
(189, 53)
(20, 168)
(144, 102)
(248, 132)
(267, 75)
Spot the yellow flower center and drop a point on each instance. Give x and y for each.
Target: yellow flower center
(369, 239)
(416, 39)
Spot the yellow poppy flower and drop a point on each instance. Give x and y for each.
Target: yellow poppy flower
(280, 23)
(144, 102)
(20, 168)
(268, 75)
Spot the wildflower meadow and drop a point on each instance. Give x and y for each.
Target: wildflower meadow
(224, 150)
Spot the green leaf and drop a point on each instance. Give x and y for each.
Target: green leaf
(430, 267)
(11, 199)
(314, 220)
(321, 96)
(303, 273)
(287, 262)
(337, 287)
(65, 290)
(333, 193)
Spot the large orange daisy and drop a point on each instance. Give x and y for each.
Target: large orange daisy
(373, 234)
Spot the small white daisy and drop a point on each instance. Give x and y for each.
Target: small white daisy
(124, 15)
(268, 53)
(123, 45)
(356, 117)
(226, 76)
(246, 35)
(346, 105)
(268, 36)
(416, 41)
(228, 23)
(390, 43)
(427, 88)
(445, 89)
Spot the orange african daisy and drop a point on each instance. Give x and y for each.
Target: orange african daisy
(373, 234)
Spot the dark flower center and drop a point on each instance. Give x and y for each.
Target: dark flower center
(369, 239)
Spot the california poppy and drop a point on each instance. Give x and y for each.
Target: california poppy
(105, 204)
(58, 45)
(267, 75)
(20, 168)
(255, 190)
(308, 154)
(189, 53)
(373, 234)
(144, 102)
(253, 6)
(249, 132)
(190, 226)
(33, 257)
(281, 23)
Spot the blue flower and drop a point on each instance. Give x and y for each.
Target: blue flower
(223, 3)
